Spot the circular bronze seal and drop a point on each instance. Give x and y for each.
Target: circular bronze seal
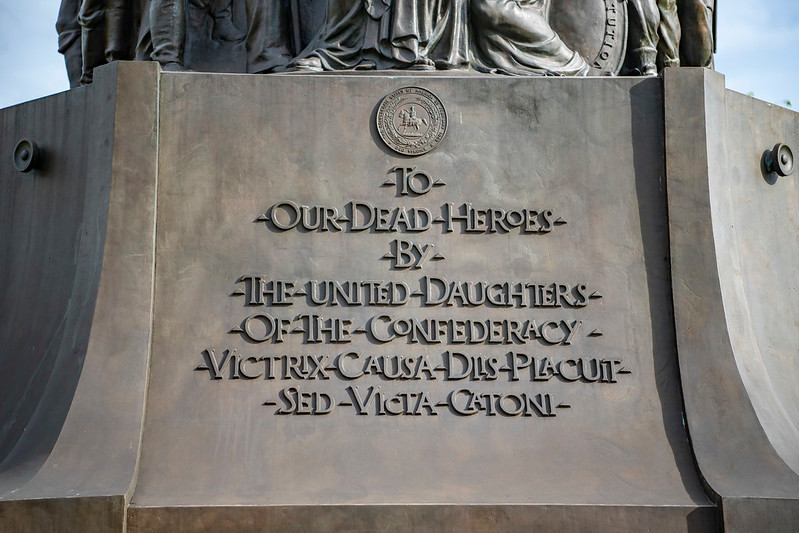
(597, 29)
(411, 121)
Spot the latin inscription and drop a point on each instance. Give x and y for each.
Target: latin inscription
(477, 358)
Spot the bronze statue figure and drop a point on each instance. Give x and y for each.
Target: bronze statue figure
(105, 33)
(503, 36)
(168, 32)
(422, 35)
(339, 43)
(269, 32)
(654, 36)
(69, 39)
(697, 18)
(516, 37)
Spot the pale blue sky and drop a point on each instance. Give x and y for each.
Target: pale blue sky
(758, 49)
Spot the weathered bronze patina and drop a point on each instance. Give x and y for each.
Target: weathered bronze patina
(516, 37)
(343, 302)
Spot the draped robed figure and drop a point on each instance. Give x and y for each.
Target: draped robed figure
(508, 36)
(515, 37)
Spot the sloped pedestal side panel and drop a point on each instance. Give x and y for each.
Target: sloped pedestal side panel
(294, 251)
(76, 272)
(734, 234)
